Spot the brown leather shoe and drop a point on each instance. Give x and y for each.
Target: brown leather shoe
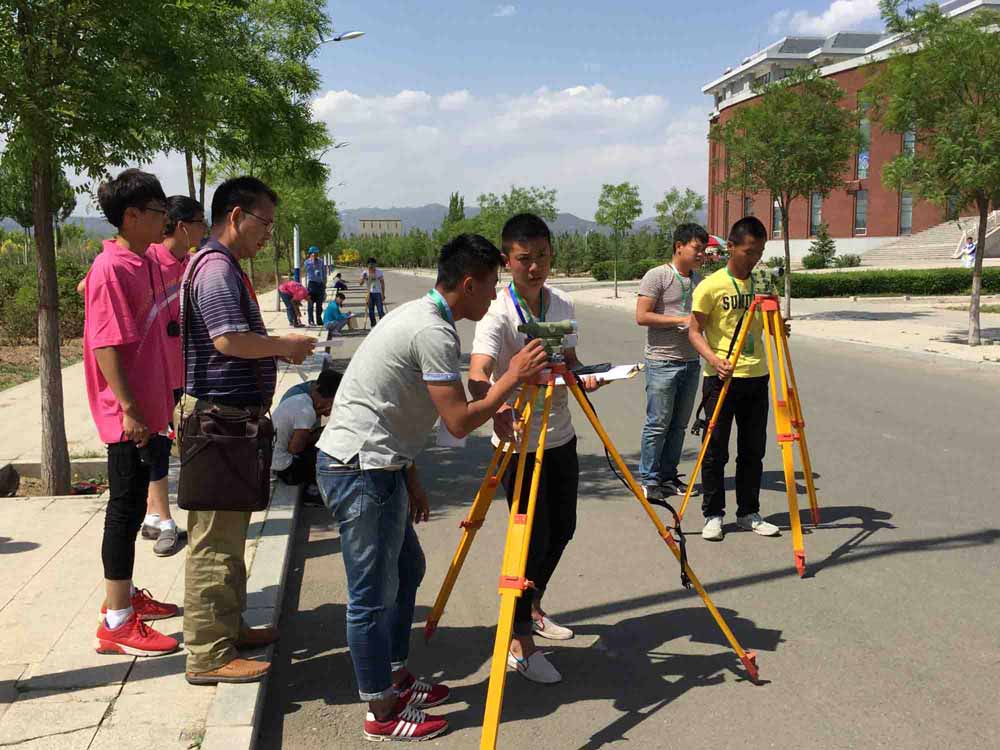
(238, 670)
(257, 637)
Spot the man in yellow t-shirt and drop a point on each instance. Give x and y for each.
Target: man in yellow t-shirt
(718, 312)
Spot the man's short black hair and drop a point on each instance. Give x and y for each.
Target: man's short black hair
(749, 227)
(372, 261)
(328, 382)
(466, 255)
(684, 233)
(133, 188)
(181, 208)
(340, 295)
(244, 192)
(522, 228)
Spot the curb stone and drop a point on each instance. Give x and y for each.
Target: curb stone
(235, 714)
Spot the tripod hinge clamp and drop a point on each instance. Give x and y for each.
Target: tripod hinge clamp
(788, 437)
(520, 583)
(471, 524)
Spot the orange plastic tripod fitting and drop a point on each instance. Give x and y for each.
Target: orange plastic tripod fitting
(800, 563)
(749, 660)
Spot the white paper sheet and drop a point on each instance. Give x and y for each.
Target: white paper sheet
(619, 372)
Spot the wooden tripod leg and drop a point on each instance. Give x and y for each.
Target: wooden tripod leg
(783, 425)
(799, 423)
(748, 658)
(512, 581)
(710, 428)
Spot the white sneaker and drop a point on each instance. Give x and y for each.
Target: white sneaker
(535, 668)
(713, 529)
(548, 628)
(753, 522)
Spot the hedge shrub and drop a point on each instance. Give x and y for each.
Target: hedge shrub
(19, 301)
(917, 283)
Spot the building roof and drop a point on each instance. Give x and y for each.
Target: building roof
(850, 48)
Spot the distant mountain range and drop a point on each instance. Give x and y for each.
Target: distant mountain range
(427, 218)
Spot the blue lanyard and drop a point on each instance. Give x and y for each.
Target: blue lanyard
(516, 299)
(442, 306)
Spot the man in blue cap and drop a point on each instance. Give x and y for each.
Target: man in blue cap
(316, 284)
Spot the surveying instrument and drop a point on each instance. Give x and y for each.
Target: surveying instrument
(789, 422)
(513, 583)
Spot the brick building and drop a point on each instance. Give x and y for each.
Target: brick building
(866, 214)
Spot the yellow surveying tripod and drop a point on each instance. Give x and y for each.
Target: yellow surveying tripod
(788, 419)
(512, 581)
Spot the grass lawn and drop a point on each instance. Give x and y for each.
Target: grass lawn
(982, 308)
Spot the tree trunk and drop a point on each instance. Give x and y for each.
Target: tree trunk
(189, 164)
(788, 262)
(204, 174)
(615, 263)
(55, 468)
(983, 202)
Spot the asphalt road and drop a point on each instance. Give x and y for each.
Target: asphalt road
(891, 640)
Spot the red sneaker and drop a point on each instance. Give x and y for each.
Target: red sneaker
(420, 694)
(134, 637)
(147, 608)
(408, 724)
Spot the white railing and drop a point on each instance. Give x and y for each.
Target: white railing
(971, 229)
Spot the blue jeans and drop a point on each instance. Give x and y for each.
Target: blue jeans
(375, 301)
(289, 307)
(671, 388)
(384, 565)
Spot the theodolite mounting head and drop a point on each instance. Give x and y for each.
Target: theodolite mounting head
(551, 334)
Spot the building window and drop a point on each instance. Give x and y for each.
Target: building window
(910, 142)
(815, 213)
(861, 212)
(775, 221)
(905, 212)
(747, 206)
(864, 152)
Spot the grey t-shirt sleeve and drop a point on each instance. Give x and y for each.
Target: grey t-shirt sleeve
(652, 283)
(436, 350)
(216, 290)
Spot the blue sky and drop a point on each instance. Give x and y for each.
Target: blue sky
(476, 96)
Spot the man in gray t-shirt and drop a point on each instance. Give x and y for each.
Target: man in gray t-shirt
(403, 377)
(672, 366)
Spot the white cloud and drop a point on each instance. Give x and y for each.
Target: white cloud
(412, 148)
(504, 11)
(842, 15)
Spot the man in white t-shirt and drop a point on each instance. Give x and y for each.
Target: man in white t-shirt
(374, 279)
(527, 248)
(297, 428)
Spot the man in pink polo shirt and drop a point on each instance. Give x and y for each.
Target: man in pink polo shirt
(184, 230)
(125, 363)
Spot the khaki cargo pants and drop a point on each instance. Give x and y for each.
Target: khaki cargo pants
(215, 587)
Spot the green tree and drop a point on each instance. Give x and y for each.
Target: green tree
(822, 249)
(16, 187)
(793, 140)
(617, 208)
(946, 91)
(677, 208)
(456, 211)
(494, 210)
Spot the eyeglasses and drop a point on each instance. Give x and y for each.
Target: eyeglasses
(268, 225)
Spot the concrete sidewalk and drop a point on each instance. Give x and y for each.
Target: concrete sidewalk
(55, 690)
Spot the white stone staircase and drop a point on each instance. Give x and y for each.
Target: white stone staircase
(932, 246)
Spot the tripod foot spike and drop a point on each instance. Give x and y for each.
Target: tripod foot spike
(800, 563)
(429, 630)
(749, 660)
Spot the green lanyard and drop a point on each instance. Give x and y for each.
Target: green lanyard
(522, 307)
(442, 306)
(686, 294)
(748, 347)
